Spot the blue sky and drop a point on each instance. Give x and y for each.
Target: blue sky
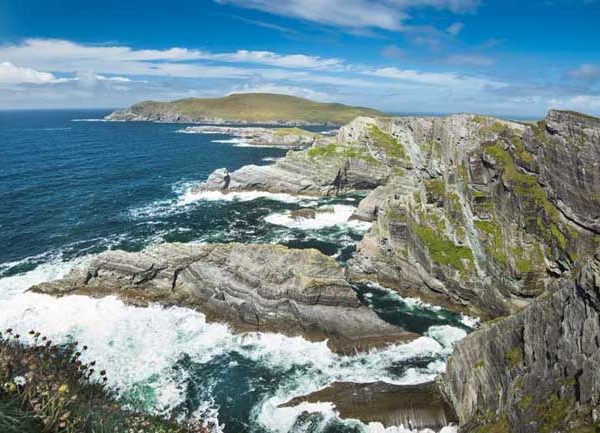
(507, 57)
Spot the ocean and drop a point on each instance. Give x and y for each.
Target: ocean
(73, 185)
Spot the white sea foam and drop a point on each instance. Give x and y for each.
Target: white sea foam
(237, 141)
(139, 346)
(192, 195)
(271, 159)
(326, 216)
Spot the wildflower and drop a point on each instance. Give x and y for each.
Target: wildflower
(63, 389)
(19, 380)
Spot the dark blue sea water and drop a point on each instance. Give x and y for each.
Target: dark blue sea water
(71, 187)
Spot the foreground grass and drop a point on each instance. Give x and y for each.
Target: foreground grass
(48, 389)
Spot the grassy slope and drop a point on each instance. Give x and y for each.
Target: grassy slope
(260, 107)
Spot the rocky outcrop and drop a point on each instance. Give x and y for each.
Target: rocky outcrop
(472, 221)
(252, 287)
(568, 149)
(416, 407)
(321, 170)
(535, 371)
(475, 213)
(292, 138)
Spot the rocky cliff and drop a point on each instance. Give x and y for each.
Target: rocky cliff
(252, 287)
(537, 370)
(476, 213)
(492, 217)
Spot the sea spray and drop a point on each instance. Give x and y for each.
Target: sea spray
(138, 347)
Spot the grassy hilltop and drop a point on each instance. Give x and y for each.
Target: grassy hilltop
(253, 107)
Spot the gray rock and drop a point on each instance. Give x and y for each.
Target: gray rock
(537, 370)
(252, 287)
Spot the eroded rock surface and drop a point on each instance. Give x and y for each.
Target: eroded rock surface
(537, 370)
(252, 287)
(416, 407)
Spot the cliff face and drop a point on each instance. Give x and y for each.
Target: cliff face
(481, 214)
(535, 371)
(475, 213)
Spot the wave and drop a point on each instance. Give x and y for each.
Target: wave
(325, 216)
(191, 195)
(138, 347)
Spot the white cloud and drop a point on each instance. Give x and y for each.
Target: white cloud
(440, 79)
(13, 74)
(302, 92)
(455, 28)
(67, 56)
(472, 60)
(353, 14)
(299, 61)
(343, 13)
(583, 103)
(586, 72)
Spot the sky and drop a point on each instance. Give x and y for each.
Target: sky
(503, 57)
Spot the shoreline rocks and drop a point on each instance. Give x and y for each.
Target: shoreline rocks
(292, 138)
(267, 288)
(416, 407)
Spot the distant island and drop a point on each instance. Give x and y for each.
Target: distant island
(264, 108)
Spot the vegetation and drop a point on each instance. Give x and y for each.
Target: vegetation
(295, 131)
(495, 244)
(442, 250)
(514, 356)
(333, 150)
(48, 389)
(392, 147)
(258, 107)
(532, 195)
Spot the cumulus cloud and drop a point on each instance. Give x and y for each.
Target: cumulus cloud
(13, 74)
(67, 56)
(58, 73)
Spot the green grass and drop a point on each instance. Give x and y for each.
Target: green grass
(514, 356)
(333, 150)
(532, 195)
(48, 389)
(495, 244)
(295, 131)
(258, 107)
(392, 147)
(441, 249)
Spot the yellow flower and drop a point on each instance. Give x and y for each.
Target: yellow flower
(63, 389)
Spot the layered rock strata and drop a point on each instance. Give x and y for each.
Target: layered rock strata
(252, 287)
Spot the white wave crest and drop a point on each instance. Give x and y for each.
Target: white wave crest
(139, 346)
(325, 216)
(193, 195)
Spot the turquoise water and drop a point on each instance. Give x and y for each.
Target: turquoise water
(72, 188)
